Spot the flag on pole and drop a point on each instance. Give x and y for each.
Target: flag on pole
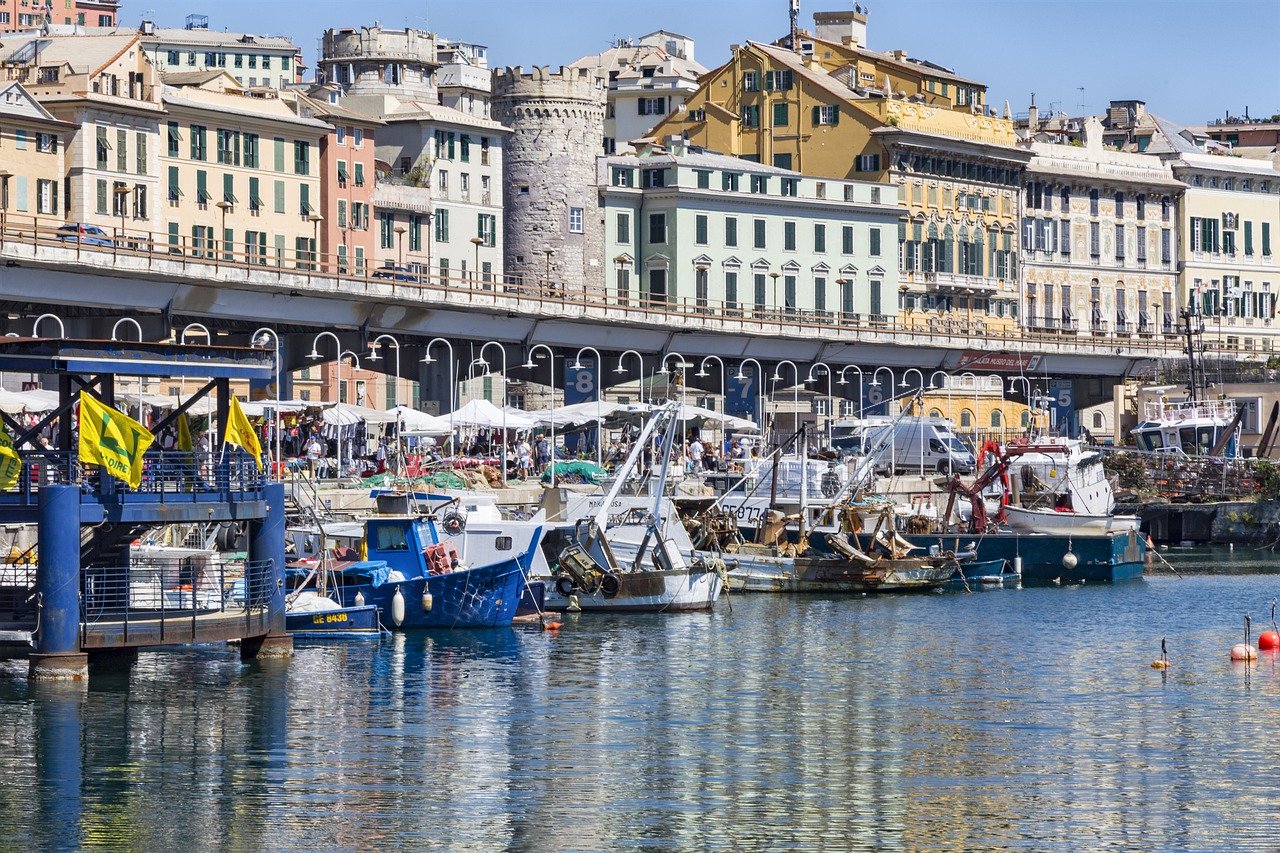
(10, 462)
(112, 439)
(184, 433)
(240, 432)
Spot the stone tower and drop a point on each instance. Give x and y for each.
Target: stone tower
(372, 61)
(551, 201)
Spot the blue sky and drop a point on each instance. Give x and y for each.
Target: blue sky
(1190, 61)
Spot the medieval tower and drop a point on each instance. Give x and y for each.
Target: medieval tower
(553, 227)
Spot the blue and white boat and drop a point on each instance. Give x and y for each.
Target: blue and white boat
(419, 576)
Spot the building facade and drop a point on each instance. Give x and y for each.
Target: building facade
(720, 236)
(33, 14)
(32, 144)
(271, 62)
(1100, 240)
(647, 80)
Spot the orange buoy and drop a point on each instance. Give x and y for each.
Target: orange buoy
(1159, 664)
(1162, 662)
(1269, 641)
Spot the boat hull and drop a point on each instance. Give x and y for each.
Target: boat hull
(1048, 521)
(346, 622)
(1098, 559)
(482, 597)
(647, 591)
(985, 571)
(767, 573)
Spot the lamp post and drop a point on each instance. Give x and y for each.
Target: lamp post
(861, 382)
(775, 275)
(973, 379)
(138, 327)
(933, 387)
(453, 386)
(893, 443)
(551, 363)
(684, 424)
(903, 384)
(182, 339)
(259, 339)
(742, 377)
(577, 365)
(795, 395)
(314, 354)
(400, 232)
(374, 346)
(640, 375)
(478, 242)
(218, 257)
(826, 368)
(995, 383)
(503, 351)
(724, 393)
(1026, 385)
(62, 329)
(846, 304)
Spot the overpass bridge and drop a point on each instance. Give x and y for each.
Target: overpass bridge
(301, 293)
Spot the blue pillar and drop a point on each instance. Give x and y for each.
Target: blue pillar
(57, 653)
(59, 731)
(266, 543)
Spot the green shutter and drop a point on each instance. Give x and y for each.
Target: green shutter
(304, 199)
(1266, 238)
(768, 81)
(173, 235)
(202, 186)
(174, 188)
(1248, 237)
(279, 188)
(279, 152)
(835, 114)
(229, 188)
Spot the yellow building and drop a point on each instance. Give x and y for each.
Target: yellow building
(242, 173)
(31, 170)
(835, 109)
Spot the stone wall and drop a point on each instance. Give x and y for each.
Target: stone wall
(557, 121)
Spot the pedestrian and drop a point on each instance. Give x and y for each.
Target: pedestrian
(544, 454)
(696, 451)
(314, 450)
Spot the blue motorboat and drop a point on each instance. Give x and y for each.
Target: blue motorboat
(1051, 558)
(412, 572)
(982, 571)
(336, 623)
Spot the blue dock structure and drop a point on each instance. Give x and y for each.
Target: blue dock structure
(87, 596)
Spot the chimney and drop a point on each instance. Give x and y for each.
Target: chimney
(1033, 115)
(676, 145)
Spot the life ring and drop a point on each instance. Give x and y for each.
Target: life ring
(453, 523)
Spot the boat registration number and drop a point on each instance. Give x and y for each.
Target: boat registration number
(328, 618)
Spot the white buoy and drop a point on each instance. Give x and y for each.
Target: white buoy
(1070, 560)
(574, 606)
(427, 601)
(397, 607)
(1243, 651)
(359, 599)
(1017, 565)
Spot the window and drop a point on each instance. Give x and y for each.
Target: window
(442, 226)
(819, 238)
(1095, 240)
(359, 174)
(487, 228)
(700, 229)
(103, 147)
(1093, 202)
(790, 187)
(1141, 243)
(1248, 238)
(750, 81)
(278, 196)
(175, 192)
(466, 149)
(46, 196)
(758, 231)
(874, 242)
(759, 183)
(623, 177)
(202, 189)
(623, 229)
(657, 228)
(304, 201)
(729, 181)
(199, 151)
(575, 220)
(1266, 239)
(789, 236)
(175, 137)
(820, 294)
(826, 115)
(867, 163)
(139, 153)
(778, 81)
(229, 188)
(781, 117)
(704, 179)
(751, 115)
(655, 178)
(251, 150)
(301, 158)
(1166, 246)
(731, 232)
(386, 230)
(228, 143)
(122, 149)
(1119, 205)
(1120, 239)
(342, 213)
(846, 234)
(651, 106)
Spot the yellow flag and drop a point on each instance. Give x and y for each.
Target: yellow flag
(10, 462)
(184, 433)
(113, 440)
(240, 432)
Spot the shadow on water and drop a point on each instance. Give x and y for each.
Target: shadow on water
(1012, 718)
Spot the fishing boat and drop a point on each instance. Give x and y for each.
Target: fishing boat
(1057, 487)
(596, 556)
(983, 571)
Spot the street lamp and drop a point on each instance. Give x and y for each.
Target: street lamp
(62, 329)
(259, 339)
(400, 232)
(759, 407)
(223, 206)
(314, 354)
(374, 345)
(775, 275)
(920, 426)
(724, 393)
(577, 365)
(640, 375)
(453, 386)
(551, 363)
(830, 396)
(946, 383)
(973, 379)
(684, 424)
(503, 351)
(1026, 385)
(862, 380)
(478, 242)
(795, 394)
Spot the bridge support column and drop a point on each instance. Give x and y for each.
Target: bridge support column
(266, 543)
(58, 655)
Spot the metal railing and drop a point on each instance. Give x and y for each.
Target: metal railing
(526, 292)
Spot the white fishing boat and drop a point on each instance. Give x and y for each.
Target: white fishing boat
(1062, 489)
(617, 553)
(1189, 428)
(1066, 522)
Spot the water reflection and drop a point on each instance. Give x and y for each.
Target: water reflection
(1016, 718)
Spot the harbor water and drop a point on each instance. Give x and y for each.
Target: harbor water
(1009, 718)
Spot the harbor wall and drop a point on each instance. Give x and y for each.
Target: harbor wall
(1228, 522)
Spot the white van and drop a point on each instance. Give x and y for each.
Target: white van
(928, 444)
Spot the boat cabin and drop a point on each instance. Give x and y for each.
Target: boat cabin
(1187, 428)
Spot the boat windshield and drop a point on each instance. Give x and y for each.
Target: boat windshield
(1149, 441)
(1206, 437)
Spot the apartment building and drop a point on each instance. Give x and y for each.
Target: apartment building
(726, 237)
(32, 14)
(242, 175)
(32, 144)
(648, 79)
(107, 91)
(272, 62)
(1100, 239)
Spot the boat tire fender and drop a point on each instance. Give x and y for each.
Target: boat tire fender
(564, 585)
(610, 585)
(453, 523)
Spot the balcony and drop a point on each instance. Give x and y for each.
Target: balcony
(957, 283)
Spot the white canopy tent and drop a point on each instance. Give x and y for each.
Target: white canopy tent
(413, 422)
(345, 413)
(482, 413)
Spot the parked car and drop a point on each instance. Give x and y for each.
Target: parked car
(395, 273)
(90, 235)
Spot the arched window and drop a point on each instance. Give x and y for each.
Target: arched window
(997, 419)
(935, 413)
(966, 418)
(1026, 419)
(1097, 420)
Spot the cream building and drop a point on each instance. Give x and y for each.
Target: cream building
(242, 175)
(1100, 239)
(31, 151)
